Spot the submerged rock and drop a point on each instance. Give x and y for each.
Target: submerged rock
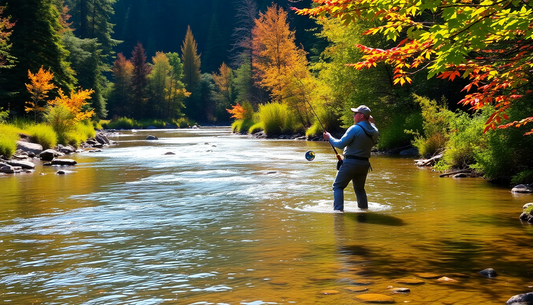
(521, 299)
(375, 298)
(401, 290)
(356, 289)
(488, 273)
(428, 275)
(151, 137)
(410, 281)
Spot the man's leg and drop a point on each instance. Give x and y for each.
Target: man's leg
(358, 182)
(344, 175)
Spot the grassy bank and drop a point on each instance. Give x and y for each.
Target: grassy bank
(42, 133)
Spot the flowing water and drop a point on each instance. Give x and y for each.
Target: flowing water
(234, 220)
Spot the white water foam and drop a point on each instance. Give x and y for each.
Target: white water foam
(326, 206)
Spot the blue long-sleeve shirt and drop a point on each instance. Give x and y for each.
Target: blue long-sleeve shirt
(355, 142)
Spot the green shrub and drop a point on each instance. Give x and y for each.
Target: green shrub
(314, 131)
(274, 117)
(257, 127)
(435, 127)
(395, 133)
(4, 114)
(182, 122)
(9, 135)
(43, 134)
(507, 152)
(466, 134)
(61, 120)
(77, 135)
(121, 123)
(144, 123)
(242, 126)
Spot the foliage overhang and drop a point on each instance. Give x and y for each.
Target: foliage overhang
(488, 42)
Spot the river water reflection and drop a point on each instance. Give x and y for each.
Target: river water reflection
(233, 220)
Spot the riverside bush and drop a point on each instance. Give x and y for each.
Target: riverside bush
(274, 117)
(394, 134)
(435, 127)
(257, 127)
(121, 123)
(9, 135)
(43, 134)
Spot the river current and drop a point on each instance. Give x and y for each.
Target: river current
(202, 216)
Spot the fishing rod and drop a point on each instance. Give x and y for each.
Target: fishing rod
(339, 157)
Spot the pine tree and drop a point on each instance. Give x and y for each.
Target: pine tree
(191, 61)
(139, 81)
(36, 42)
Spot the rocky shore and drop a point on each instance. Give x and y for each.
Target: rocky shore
(27, 154)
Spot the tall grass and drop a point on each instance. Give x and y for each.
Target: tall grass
(43, 134)
(274, 117)
(9, 135)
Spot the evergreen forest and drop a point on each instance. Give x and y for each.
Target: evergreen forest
(450, 80)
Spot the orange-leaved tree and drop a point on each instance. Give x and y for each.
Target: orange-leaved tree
(488, 42)
(223, 81)
(280, 64)
(39, 86)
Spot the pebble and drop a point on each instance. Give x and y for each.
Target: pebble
(446, 279)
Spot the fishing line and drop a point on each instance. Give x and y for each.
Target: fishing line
(339, 157)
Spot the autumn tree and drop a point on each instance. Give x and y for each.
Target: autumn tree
(64, 112)
(121, 91)
(159, 80)
(280, 64)
(39, 86)
(489, 43)
(224, 84)
(139, 81)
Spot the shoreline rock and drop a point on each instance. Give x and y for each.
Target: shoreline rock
(27, 153)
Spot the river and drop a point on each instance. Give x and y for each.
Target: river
(229, 219)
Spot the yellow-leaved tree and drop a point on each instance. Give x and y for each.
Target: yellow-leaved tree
(65, 112)
(39, 86)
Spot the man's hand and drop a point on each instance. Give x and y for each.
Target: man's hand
(326, 135)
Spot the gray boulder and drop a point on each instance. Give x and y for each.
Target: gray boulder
(30, 147)
(150, 137)
(21, 163)
(102, 138)
(521, 299)
(413, 151)
(49, 155)
(522, 188)
(9, 169)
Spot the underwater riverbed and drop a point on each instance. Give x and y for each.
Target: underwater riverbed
(230, 219)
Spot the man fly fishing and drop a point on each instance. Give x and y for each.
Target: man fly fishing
(357, 143)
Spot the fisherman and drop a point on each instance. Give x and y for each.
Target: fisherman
(357, 142)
